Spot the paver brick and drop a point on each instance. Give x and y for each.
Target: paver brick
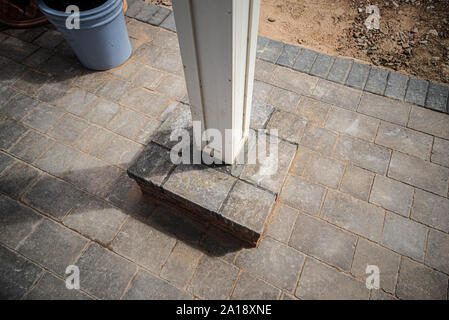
(127, 123)
(396, 85)
(114, 89)
(31, 146)
(50, 39)
(148, 287)
(104, 274)
(260, 114)
(437, 97)
(92, 81)
(314, 111)
(284, 99)
(319, 139)
(134, 8)
(16, 49)
(30, 82)
(57, 159)
(17, 178)
(305, 60)
(153, 14)
(121, 152)
(392, 195)
(416, 91)
(141, 30)
(289, 126)
(148, 77)
(437, 253)
(143, 244)
(10, 132)
(261, 91)
(264, 70)
(5, 161)
(337, 94)
(251, 288)
(77, 101)
(169, 62)
(261, 43)
(274, 262)
(19, 106)
(68, 128)
(404, 236)
(353, 215)
(16, 221)
(440, 152)
(321, 240)
(10, 71)
(248, 207)
(339, 70)
(430, 122)
(37, 57)
(102, 112)
(271, 51)
(95, 219)
(381, 295)
(319, 281)
(357, 182)
(358, 75)
(431, 210)
(419, 173)
(169, 23)
(352, 123)
(43, 117)
(6, 93)
(377, 80)
(173, 86)
(153, 165)
(363, 154)
(52, 92)
(292, 80)
(324, 170)
(53, 246)
(418, 282)
(281, 223)
(126, 194)
(385, 109)
(50, 287)
(181, 264)
(288, 55)
(368, 253)
(145, 101)
(214, 279)
(92, 175)
(52, 196)
(201, 185)
(18, 275)
(94, 140)
(405, 140)
(270, 174)
(322, 65)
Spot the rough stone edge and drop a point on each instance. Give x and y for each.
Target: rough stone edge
(345, 83)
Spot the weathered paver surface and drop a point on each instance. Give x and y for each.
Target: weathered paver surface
(368, 184)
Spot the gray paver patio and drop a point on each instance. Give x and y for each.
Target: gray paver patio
(368, 185)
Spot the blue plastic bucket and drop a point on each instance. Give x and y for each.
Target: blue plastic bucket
(102, 41)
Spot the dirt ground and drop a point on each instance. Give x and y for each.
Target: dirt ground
(413, 37)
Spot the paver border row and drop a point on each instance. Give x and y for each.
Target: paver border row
(345, 71)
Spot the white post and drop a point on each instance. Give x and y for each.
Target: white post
(218, 40)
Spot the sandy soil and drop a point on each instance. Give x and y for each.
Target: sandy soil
(413, 36)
